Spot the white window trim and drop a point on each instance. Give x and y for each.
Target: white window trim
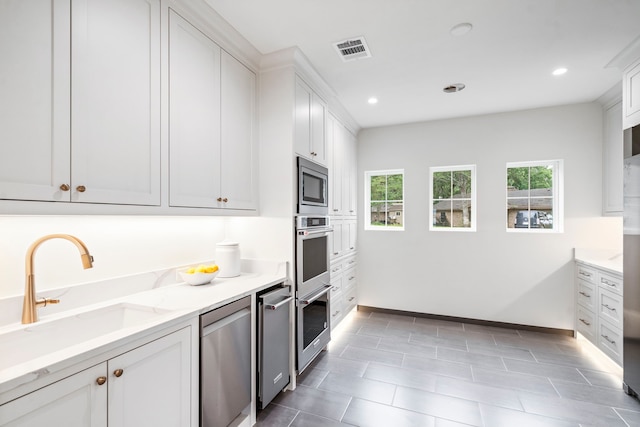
(367, 199)
(472, 168)
(558, 196)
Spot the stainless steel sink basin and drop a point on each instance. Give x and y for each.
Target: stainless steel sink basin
(46, 337)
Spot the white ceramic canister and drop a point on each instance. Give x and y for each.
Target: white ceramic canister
(228, 258)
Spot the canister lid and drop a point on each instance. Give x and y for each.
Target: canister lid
(227, 243)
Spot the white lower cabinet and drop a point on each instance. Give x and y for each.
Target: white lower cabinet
(343, 287)
(148, 385)
(599, 309)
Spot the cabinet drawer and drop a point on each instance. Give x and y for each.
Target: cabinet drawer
(336, 285)
(610, 282)
(610, 341)
(586, 324)
(349, 279)
(337, 310)
(610, 307)
(350, 299)
(585, 273)
(587, 295)
(336, 268)
(349, 262)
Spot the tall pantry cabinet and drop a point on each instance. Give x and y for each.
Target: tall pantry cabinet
(80, 102)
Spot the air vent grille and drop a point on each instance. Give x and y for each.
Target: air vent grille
(352, 49)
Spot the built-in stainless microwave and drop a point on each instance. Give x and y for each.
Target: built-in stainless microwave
(313, 188)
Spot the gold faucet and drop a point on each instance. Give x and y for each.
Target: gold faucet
(29, 312)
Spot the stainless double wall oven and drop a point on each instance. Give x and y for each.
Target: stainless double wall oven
(312, 287)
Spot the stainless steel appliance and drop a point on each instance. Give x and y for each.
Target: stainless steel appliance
(631, 263)
(274, 328)
(225, 363)
(313, 190)
(313, 331)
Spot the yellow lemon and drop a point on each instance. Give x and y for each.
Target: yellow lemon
(191, 270)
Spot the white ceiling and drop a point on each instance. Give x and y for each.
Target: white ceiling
(505, 61)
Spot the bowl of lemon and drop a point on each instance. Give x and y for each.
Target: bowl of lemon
(200, 275)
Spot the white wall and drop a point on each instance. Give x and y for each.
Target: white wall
(489, 274)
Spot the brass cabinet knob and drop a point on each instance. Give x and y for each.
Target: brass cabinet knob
(219, 199)
(101, 380)
(225, 200)
(64, 187)
(81, 188)
(118, 373)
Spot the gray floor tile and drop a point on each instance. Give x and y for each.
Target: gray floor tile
(276, 416)
(631, 417)
(473, 359)
(482, 393)
(441, 422)
(490, 329)
(584, 362)
(434, 341)
(468, 336)
(364, 388)
(309, 420)
(438, 367)
(501, 351)
(370, 414)
(602, 379)
(312, 376)
(402, 345)
(567, 373)
(598, 395)
(367, 354)
(329, 362)
(358, 340)
(515, 381)
(573, 410)
(439, 323)
(328, 404)
(494, 416)
(438, 405)
(401, 376)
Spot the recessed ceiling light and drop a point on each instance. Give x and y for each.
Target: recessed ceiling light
(559, 71)
(456, 87)
(461, 29)
(373, 100)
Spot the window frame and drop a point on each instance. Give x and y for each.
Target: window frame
(367, 199)
(557, 196)
(473, 198)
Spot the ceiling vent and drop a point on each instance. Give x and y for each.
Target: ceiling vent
(352, 49)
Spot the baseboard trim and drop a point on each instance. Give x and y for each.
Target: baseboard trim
(556, 331)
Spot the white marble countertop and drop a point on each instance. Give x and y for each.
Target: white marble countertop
(172, 302)
(606, 259)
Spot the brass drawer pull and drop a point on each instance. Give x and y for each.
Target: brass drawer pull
(585, 322)
(81, 188)
(118, 373)
(101, 380)
(65, 187)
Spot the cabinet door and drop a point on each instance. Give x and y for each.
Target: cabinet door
(34, 99)
(334, 157)
(352, 172)
(194, 116)
(115, 101)
(612, 161)
(238, 149)
(336, 239)
(153, 387)
(76, 401)
(302, 128)
(631, 95)
(318, 129)
(352, 227)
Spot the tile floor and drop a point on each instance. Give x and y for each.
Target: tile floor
(394, 371)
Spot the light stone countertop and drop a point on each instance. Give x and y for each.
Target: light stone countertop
(176, 302)
(610, 260)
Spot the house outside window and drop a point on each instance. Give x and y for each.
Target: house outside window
(534, 196)
(453, 198)
(384, 200)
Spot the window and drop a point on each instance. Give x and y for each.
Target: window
(534, 196)
(384, 200)
(453, 198)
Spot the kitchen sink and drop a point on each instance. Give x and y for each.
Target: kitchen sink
(46, 337)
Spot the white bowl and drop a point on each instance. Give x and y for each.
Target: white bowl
(198, 278)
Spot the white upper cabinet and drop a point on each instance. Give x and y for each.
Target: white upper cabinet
(194, 116)
(310, 124)
(115, 101)
(101, 144)
(212, 150)
(239, 151)
(34, 99)
(631, 95)
(342, 169)
(612, 161)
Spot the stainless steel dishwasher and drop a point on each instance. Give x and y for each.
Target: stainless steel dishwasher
(225, 363)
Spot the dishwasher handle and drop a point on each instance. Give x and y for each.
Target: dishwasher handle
(278, 305)
(224, 322)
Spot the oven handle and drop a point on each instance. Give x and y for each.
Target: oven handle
(326, 289)
(278, 305)
(324, 230)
